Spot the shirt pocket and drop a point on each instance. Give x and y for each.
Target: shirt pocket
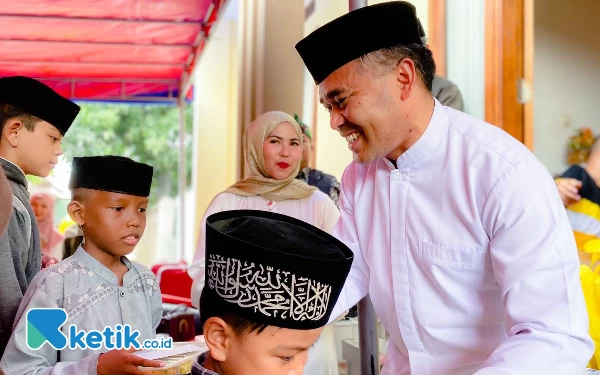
(472, 258)
(454, 286)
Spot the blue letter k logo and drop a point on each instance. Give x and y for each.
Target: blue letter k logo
(44, 325)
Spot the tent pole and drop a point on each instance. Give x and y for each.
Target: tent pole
(182, 174)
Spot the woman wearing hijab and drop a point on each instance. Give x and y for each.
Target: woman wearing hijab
(273, 151)
(51, 240)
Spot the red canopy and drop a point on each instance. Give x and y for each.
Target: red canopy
(129, 50)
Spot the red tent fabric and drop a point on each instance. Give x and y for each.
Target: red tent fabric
(123, 50)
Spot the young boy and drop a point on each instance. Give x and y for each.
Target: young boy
(33, 120)
(98, 286)
(272, 282)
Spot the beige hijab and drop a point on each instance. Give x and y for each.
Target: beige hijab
(259, 182)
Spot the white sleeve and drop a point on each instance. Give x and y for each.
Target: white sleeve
(535, 262)
(329, 215)
(357, 283)
(196, 269)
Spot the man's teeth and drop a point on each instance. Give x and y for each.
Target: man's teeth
(352, 137)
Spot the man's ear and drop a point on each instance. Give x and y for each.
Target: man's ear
(406, 76)
(218, 337)
(76, 211)
(11, 131)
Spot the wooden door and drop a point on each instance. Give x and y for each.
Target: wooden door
(509, 67)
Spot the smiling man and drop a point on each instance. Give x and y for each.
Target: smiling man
(458, 231)
(33, 120)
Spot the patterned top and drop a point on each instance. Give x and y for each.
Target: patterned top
(90, 294)
(333, 190)
(198, 369)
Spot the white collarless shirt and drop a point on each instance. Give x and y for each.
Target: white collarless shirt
(467, 254)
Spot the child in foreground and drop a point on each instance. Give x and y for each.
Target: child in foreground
(272, 282)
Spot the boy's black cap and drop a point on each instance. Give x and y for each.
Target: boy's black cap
(272, 269)
(116, 174)
(39, 100)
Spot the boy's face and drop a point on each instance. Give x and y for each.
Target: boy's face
(274, 351)
(39, 149)
(112, 222)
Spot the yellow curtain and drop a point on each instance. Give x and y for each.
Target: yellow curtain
(590, 282)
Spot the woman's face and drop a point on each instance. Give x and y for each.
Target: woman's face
(282, 151)
(40, 208)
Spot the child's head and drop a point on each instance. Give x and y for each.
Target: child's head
(109, 198)
(271, 284)
(33, 120)
(239, 346)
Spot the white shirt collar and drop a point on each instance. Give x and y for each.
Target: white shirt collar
(426, 145)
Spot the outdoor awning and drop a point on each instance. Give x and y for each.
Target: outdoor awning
(117, 50)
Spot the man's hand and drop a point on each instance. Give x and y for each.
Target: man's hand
(568, 189)
(124, 362)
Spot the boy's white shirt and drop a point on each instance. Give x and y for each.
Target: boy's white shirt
(90, 294)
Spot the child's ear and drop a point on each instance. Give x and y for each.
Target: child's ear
(76, 211)
(11, 132)
(217, 335)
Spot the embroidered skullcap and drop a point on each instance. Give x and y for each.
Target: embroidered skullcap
(272, 269)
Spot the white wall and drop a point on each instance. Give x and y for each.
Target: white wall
(283, 67)
(216, 152)
(566, 75)
(422, 10)
(161, 240)
(465, 52)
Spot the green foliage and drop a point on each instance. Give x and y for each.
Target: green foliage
(35, 180)
(144, 133)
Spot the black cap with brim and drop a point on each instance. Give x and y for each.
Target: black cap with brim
(38, 100)
(356, 34)
(111, 173)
